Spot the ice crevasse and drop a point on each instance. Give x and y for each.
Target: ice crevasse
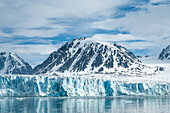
(76, 86)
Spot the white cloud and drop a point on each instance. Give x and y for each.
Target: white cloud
(153, 22)
(158, 1)
(82, 8)
(27, 17)
(22, 15)
(33, 54)
(123, 39)
(137, 45)
(153, 44)
(118, 37)
(2, 34)
(38, 33)
(29, 49)
(151, 25)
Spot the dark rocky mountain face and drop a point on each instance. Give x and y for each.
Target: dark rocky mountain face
(87, 56)
(165, 54)
(13, 64)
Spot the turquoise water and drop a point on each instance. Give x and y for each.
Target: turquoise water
(123, 104)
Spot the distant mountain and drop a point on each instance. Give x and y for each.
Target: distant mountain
(10, 63)
(88, 56)
(165, 54)
(146, 56)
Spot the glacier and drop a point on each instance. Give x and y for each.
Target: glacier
(56, 86)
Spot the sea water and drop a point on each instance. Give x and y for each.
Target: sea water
(119, 104)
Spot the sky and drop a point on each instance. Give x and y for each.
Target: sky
(35, 28)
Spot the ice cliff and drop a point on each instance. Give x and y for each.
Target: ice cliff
(76, 86)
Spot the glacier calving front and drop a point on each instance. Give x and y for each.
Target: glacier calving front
(76, 86)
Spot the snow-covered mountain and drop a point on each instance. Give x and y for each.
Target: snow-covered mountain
(89, 56)
(70, 84)
(10, 63)
(165, 54)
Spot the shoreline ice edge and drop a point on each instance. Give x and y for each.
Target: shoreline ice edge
(59, 86)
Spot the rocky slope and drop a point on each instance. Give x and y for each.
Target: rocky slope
(165, 54)
(89, 56)
(10, 63)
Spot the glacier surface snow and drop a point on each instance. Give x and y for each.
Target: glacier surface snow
(77, 86)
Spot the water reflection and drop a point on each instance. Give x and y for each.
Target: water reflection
(86, 105)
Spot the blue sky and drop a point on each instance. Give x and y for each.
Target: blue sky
(35, 28)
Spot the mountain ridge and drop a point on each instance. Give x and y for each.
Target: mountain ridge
(11, 63)
(88, 56)
(165, 54)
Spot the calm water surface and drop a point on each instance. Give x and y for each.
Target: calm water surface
(126, 104)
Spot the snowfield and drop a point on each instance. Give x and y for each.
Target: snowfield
(72, 84)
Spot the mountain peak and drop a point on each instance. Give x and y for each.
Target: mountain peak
(2, 53)
(12, 53)
(165, 54)
(11, 63)
(89, 56)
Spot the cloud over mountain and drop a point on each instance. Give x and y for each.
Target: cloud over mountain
(36, 23)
